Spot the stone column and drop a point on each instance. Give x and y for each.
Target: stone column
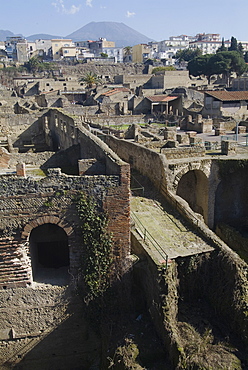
(21, 169)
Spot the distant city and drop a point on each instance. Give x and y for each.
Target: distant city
(20, 49)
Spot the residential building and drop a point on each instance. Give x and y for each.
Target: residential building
(44, 48)
(140, 53)
(62, 47)
(208, 47)
(97, 47)
(22, 51)
(116, 53)
(208, 37)
(11, 46)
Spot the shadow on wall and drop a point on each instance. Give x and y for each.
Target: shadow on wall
(67, 160)
(33, 138)
(193, 187)
(231, 200)
(66, 342)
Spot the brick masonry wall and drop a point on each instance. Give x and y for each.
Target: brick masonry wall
(26, 204)
(118, 207)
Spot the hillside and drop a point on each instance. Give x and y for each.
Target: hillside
(112, 31)
(5, 33)
(42, 36)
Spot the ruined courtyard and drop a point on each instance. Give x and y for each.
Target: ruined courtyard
(174, 188)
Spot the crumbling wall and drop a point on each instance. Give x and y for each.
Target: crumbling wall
(194, 296)
(45, 327)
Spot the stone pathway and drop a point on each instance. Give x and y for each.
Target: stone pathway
(173, 235)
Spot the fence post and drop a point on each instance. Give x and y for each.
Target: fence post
(145, 235)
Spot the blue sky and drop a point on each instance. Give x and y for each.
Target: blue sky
(158, 19)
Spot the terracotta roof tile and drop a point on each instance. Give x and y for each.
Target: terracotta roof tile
(224, 95)
(115, 91)
(161, 98)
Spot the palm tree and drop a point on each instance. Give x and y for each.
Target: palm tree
(127, 53)
(90, 79)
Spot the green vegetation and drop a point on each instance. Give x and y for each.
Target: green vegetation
(96, 247)
(48, 204)
(90, 79)
(36, 65)
(223, 62)
(161, 69)
(187, 54)
(104, 55)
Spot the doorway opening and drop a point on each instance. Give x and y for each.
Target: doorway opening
(49, 254)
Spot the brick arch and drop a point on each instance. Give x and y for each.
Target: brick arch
(188, 168)
(47, 220)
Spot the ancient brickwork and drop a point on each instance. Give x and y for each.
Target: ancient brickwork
(26, 203)
(117, 206)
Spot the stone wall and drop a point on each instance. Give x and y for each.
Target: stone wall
(50, 199)
(44, 328)
(24, 131)
(26, 204)
(148, 162)
(176, 153)
(216, 281)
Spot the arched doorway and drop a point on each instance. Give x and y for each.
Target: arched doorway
(49, 252)
(193, 187)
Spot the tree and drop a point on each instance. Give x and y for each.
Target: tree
(240, 48)
(104, 55)
(222, 47)
(33, 64)
(237, 63)
(127, 53)
(90, 79)
(200, 66)
(187, 54)
(223, 62)
(246, 57)
(234, 44)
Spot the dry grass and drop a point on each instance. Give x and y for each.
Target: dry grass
(200, 351)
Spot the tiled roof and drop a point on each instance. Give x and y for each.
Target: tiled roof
(161, 98)
(224, 95)
(115, 91)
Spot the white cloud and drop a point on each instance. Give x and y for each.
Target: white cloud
(60, 7)
(130, 14)
(89, 3)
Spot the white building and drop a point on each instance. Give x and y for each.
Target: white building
(208, 47)
(116, 53)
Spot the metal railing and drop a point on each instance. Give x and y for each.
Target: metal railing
(136, 186)
(147, 237)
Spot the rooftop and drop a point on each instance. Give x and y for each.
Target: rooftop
(224, 95)
(161, 98)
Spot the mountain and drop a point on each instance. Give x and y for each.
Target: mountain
(112, 31)
(42, 36)
(6, 33)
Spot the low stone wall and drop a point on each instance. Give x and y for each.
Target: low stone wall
(148, 162)
(175, 153)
